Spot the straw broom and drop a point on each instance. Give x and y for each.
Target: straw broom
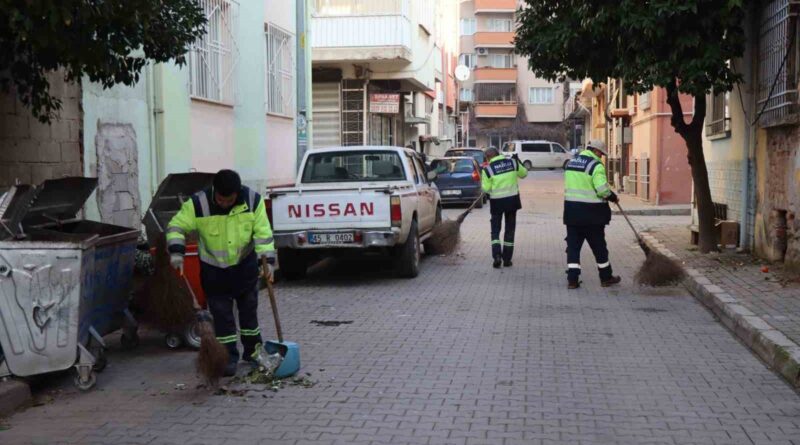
(657, 269)
(447, 234)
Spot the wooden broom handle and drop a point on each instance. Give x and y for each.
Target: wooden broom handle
(272, 301)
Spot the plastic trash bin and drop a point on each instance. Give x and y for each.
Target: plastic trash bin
(173, 191)
(64, 282)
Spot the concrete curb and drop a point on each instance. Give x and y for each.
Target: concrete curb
(14, 394)
(778, 351)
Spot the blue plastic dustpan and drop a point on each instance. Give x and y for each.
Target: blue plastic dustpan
(290, 351)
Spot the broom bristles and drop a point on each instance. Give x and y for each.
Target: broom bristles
(165, 301)
(659, 270)
(212, 356)
(445, 237)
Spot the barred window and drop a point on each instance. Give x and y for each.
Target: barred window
(213, 57)
(778, 65)
(280, 71)
(718, 118)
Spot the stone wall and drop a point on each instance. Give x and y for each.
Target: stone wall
(30, 151)
(777, 231)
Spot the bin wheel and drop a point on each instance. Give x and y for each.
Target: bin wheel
(101, 361)
(192, 336)
(173, 341)
(88, 383)
(129, 341)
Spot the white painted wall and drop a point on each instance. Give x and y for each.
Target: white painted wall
(282, 131)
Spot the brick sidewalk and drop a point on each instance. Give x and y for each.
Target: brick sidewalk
(771, 296)
(758, 300)
(464, 354)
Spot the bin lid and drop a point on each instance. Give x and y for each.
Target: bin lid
(59, 199)
(14, 204)
(172, 192)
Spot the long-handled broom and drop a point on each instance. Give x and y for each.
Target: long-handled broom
(657, 269)
(447, 234)
(212, 356)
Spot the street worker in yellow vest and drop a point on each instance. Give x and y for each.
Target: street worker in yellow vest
(586, 212)
(499, 181)
(234, 233)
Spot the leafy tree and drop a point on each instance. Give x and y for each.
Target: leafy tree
(681, 45)
(110, 41)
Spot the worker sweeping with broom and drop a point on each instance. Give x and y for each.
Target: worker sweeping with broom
(499, 180)
(234, 232)
(586, 212)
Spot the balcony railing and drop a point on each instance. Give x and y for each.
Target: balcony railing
(495, 75)
(496, 93)
(339, 29)
(342, 8)
(503, 111)
(488, 39)
(490, 6)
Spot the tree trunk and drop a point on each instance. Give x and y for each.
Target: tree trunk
(692, 134)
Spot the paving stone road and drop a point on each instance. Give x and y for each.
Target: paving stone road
(463, 354)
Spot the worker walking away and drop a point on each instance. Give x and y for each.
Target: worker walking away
(499, 180)
(586, 212)
(233, 231)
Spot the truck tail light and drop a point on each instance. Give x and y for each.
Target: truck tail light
(397, 212)
(476, 176)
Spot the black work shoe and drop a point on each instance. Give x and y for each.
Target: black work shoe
(230, 369)
(497, 263)
(508, 263)
(610, 281)
(573, 284)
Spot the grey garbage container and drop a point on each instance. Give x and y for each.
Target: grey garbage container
(64, 282)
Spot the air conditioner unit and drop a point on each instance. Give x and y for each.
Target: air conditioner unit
(482, 51)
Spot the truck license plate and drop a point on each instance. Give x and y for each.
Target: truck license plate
(332, 238)
(451, 192)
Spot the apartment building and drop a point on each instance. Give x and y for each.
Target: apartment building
(232, 105)
(501, 94)
(381, 74)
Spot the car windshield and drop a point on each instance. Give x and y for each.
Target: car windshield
(475, 154)
(353, 166)
(443, 166)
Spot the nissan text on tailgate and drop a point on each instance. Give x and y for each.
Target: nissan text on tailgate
(370, 199)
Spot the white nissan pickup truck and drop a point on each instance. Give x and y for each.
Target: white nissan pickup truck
(368, 199)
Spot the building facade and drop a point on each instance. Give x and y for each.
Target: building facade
(382, 73)
(501, 96)
(232, 105)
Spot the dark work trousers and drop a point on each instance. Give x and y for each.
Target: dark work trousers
(507, 249)
(221, 307)
(595, 235)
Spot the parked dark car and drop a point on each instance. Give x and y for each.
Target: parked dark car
(458, 180)
(475, 153)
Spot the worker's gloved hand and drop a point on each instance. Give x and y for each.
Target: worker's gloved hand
(176, 261)
(203, 316)
(516, 158)
(613, 198)
(270, 262)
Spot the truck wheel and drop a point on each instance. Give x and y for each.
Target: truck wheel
(527, 165)
(293, 264)
(408, 254)
(565, 164)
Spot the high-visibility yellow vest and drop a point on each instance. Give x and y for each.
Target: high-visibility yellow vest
(225, 237)
(585, 191)
(500, 179)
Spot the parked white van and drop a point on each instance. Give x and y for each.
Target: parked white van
(538, 154)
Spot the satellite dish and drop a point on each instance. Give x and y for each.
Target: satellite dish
(462, 73)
